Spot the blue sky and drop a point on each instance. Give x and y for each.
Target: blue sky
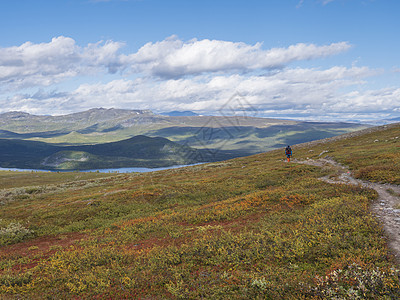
(313, 59)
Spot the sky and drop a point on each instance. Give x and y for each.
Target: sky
(321, 60)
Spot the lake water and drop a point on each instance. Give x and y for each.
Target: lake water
(116, 170)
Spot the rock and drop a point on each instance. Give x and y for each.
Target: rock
(323, 152)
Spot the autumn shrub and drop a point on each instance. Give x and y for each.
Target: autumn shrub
(12, 282)
(357, 282)
(92, 269)
(387, 174)
(14, 232)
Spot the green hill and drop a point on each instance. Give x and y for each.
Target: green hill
(139, 151)
(248, 228)
(228, 136)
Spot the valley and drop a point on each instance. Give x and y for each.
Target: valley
(139, 151)
(113, 138)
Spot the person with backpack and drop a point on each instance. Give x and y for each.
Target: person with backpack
(288, 152)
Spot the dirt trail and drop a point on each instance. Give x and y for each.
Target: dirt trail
(384, 208)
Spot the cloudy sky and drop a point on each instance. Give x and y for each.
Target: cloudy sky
(306, 59)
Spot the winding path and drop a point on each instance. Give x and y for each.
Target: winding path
(386, 208)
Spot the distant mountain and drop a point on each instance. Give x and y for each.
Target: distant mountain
(176, 113)
(222, 136)
(393, 120)
(139, 151)
(26, 123)
(384, 121)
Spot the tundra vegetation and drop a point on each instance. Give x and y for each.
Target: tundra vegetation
(248, 228)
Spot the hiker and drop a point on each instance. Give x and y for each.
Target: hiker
(288, 152)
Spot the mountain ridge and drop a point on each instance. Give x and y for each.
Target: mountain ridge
(239, 135)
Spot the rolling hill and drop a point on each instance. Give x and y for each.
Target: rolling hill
(255, 227)
(229, 136)
(139, 151)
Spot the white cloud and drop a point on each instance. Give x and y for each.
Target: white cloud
(105, 1)
(325, 2)
(48, 63)
(300, 4)
(173, 57)
(296, 91)
(44, 64)
(200, 75)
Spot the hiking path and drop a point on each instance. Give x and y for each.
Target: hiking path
(386, 208)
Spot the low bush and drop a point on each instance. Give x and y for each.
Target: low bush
(14, 232)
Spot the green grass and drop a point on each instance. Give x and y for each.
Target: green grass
(374, 157)
(12, 179)
(248, 228)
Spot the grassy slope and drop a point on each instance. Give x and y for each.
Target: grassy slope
(11, 179)
(248, 228)
(374, 156)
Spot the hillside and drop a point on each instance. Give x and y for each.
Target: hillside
(139, 151)
(248, 228)
(232, 136)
